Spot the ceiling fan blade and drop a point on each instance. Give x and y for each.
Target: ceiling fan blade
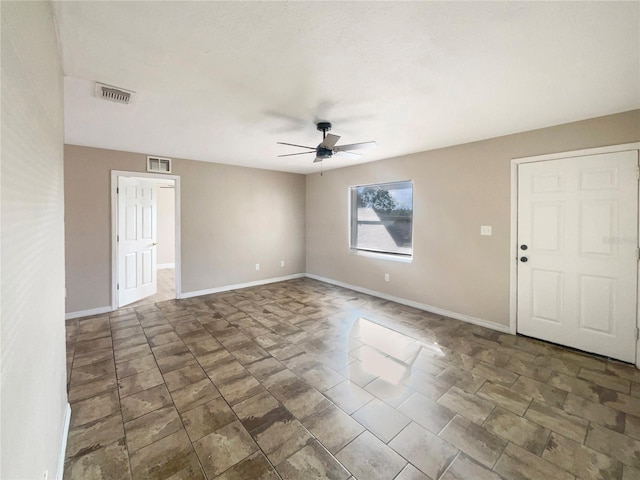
(355, 146)
(349, 155)
(290, 154)
(294, 145)
(330, 141)
(318, 159)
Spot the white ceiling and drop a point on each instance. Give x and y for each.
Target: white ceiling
(224, 81)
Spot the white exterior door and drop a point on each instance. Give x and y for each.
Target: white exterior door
(137, 215)
(577, 252)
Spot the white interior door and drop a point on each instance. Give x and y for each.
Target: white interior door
(137, 216)
(577, 250)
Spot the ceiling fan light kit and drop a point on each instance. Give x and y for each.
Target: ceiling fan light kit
(328, 148)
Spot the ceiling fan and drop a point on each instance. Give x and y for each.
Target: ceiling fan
(328, 147)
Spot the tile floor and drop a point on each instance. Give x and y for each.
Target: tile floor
(166, 278)
(304, 380)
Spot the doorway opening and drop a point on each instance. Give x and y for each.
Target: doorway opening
(145, 227)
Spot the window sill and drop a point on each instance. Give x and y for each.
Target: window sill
(381, 256)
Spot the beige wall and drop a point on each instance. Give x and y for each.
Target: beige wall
(166, 226)
(34, 397)
(456, 190)
(232, 218)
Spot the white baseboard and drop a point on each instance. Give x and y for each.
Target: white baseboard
(160, 266)
(63, 442)
(87, 313)
(238, 286)
(422, 306)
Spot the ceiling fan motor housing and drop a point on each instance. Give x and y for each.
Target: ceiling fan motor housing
(323, 152)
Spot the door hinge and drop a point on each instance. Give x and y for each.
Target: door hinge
(637, 333)
(117, 189)
(117, 286)
(117, 238)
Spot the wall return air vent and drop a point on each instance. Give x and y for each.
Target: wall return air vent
(114, 94)
(158, 165)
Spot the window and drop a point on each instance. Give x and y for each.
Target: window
(382, 218)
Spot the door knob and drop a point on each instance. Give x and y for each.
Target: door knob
(154, 244)
(524, 259)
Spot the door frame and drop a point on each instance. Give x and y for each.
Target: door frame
(513, 243)
(114, 229)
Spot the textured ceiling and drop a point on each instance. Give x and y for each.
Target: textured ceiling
(224, 81)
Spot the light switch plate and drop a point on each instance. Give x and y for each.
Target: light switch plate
(485, 230)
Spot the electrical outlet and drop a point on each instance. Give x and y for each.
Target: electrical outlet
(386, 277)
(282, 263)
(257, 266)
(485, 230)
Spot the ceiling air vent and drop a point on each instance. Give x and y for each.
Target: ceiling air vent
(114, 94)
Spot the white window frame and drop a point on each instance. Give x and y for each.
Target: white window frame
(381, 254)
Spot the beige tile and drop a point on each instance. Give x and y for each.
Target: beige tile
(92, 371)
(151, 427)
(348, 396)
(93, 388)
(92, 356)
(517, 463)
(495, 374)
(110, 461)
(390, 393)
(474, 440)
(466, 468)
(632, 427)
(594, 412)
(518, 430)
(175, 361)
(97, 434)
(470, 406)
(575, 385)
(426, 412)
(558, 420)
(333, 428)
(505, 397)
(560, 365)
(368, 458)
(205, 419)
(380, 419)
(613, 444)
(144, 402)
(630, 473)
(535, 372)
(255, 467)
(138, 382)
(410, 473)
(224, 448)
(193, 395)
(606, 380)
(423, 449)
(312, 461)
(539, 391)
(130, 353)
(467, 381)
(428, 385)
(281, 439)
(582, 461)
(164, 458)
(94, 408)
(240, 388)
(135, 365)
